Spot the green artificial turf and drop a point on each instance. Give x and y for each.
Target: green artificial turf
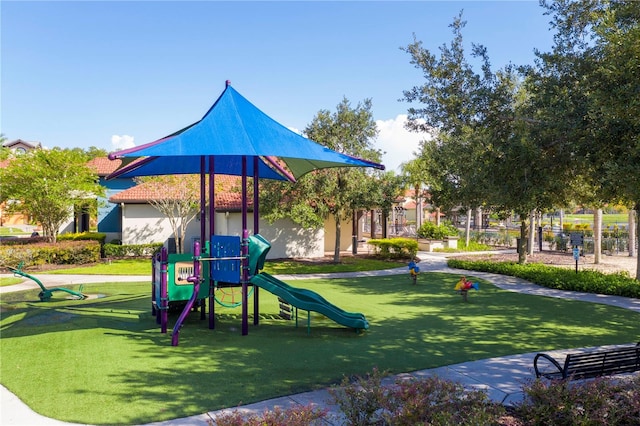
(104, 361)
(143, 266)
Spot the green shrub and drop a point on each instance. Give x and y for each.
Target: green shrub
(131, 250)
(430, 231)
(83, 236)
(61, 253)
(617, 284)
(397, 248)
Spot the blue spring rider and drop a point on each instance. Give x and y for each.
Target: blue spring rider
(414, 270)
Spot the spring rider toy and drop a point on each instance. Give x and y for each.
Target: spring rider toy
(414, 270)
(463, 286)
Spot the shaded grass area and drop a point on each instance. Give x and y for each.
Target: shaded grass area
(104, 361)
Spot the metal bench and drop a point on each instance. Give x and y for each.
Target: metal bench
(586, 365)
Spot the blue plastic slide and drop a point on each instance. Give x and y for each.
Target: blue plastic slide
(309, 301)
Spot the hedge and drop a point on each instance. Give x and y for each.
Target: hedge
(395, 247)
(131, 250)
(61, 253)
(617, 284)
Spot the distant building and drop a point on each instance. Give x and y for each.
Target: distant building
(19, 146)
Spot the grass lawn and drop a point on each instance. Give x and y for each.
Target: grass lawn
(620, 219)
(143, 267)
(104, 361)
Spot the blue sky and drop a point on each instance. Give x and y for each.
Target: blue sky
(112, 74)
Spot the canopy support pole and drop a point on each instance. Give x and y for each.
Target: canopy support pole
(256, 230)
(212, 229)
(244, 250)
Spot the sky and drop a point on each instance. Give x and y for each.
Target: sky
(114, 74)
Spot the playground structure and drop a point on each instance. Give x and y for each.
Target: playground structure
(176, 282)
(45, 293)
(463, 286)
(233, 138)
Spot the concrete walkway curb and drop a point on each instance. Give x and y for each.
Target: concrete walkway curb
(503, 385)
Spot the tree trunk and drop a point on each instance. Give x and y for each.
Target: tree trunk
(336, 250)
(372, 232)
(597, 236)
(354, 233)
(561, 221)
(637, 239)
(437, 216)
(385, 225)
(522, 255)
(467, 229)
(632, 233)
(532, 232)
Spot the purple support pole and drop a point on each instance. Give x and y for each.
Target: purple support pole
(195, 279)
(245, 250)
(203, 215)
(164, 296)
(154, 259)
(203, 201)
(212, 229)
(256, 230)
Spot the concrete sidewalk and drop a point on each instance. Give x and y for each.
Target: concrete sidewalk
(502, 378)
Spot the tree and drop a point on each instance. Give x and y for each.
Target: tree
(336, 192)
(415, 176)
(4, 152)
(177, 197)
(586, 94)
(485, 153)
(46, 184)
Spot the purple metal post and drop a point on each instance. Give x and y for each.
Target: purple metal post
(195, 279)
(203, 215)
(245, 250)
(212, 231)
(164, 296)
(256, 230)
(154, 259)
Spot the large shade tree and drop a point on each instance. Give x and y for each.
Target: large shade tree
(337, 192)
(47, 185)
(483, 153)
(587, 94)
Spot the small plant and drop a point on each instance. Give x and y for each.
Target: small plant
(361, 398)
(595, 402)
(430, 231)
(435, 401)
(296, 416)
(395, 248)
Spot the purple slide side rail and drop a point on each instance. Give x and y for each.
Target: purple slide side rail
(195, 279)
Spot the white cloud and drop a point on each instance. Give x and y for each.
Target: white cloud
(122, 142)
(397, 143)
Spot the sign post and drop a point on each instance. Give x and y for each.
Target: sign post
(577, 240)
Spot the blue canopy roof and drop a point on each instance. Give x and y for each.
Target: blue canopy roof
(234, 128)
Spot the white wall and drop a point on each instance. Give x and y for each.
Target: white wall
(346, 235)
(143, 224)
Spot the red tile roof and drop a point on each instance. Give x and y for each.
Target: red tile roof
(227, 195)
(104, 166)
